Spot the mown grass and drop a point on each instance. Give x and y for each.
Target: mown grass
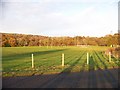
(16, 61)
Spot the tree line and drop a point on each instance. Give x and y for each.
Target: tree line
(16, 40)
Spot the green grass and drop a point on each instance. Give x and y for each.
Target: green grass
(16, 61)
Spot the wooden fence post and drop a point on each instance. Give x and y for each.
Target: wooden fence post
(109, 56)
(87, 58)
(62, 59)
(32, 61)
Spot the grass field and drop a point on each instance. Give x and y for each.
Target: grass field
(16, 61)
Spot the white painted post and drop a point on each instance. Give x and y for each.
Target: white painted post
(62, 59)
(32, 61)
(87, 58)
(109, 56)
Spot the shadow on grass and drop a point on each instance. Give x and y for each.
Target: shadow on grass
(91, 64)
(68, 70)
(105, 66)
(116, 61)
(53, 81)
(63, 75)
(92, 80)
(24, 55)
(108, 76)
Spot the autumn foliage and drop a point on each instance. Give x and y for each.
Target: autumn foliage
(15, 40)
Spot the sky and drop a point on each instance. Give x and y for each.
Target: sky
(59, 17)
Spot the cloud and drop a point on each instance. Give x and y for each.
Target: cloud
(86, 22)
(49, 18)
(50, 1)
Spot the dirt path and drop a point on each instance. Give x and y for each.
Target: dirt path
(92, 79)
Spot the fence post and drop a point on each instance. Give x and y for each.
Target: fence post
(87, 58)
(32, 61)
(62, 59)
(109, 56)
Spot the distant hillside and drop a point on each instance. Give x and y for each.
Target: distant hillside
(14, 40)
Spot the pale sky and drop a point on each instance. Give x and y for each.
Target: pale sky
(60, 17)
